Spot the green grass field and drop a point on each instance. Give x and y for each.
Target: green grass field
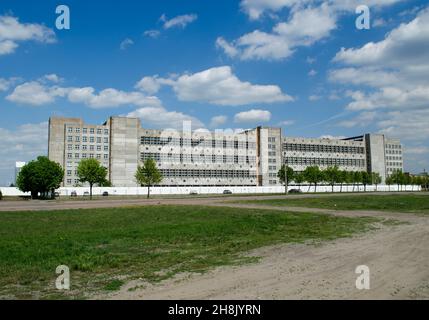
(395, 203)
(104, 248)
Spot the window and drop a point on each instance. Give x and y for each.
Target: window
(69, 155)
(91, 131)
(76, 155)
(106, 131)
(106, 140)
(92, 139)
(77, 139)
(85, 147)
(84, 130)
(106, 156)
(69, 139)
(69, 181)
(98, 140)
(85, 139)
(77, 130)
(77, 147)
(99, 131)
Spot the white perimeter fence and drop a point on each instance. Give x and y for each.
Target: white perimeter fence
(132, 191)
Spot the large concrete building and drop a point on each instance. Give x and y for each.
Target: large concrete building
(202, 158)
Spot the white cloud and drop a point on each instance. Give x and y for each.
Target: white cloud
(53, 78)
(217, 121)
(150, 85)
(361, 120)
(5, 84)
(308, 22)
(229, 49)
(152, 33)
(314, 97)
(126, 43)
(159, 117)
(109, 98)
(24, 143)
(218, 86)
(37, 94)
(178, 22)
(12, 32)
(253, 116)
(286, 123)
(312, 73)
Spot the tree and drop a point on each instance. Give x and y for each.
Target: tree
(90, 171)
(356, 178)
(366, 179)
(398, 178)
(1, 195)
(313, 175)
(299, 179)
(376, 179)
(41, 176)
(332, 176)
(148, 175)
(389, 181)
(342, 178)
(285, 175)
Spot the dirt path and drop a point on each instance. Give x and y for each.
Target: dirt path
(398, 258)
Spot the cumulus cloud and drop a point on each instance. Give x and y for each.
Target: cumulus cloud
(152, 33)
(12, 31)
(218, 86)
(297, 31)
(253, 116)
(179, 21)
(361, 120)
(159, 117)
(24, 143)
(38, 93)
(126, 43)
(217, 121)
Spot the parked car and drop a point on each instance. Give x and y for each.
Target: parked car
(56, 194)
(227, 192)
(73, 194)
(193, 193)
(295, 191)
(105, 194)
(86, 194)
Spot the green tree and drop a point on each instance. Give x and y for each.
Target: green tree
(332, 176)
(299, 179)
(313, 175)
(1, 195)
(389, 181)
(376, 179)
(286, 175)
(148, 175)
(342, 178)
(90, 171)
(398, 178)
(366, 179)
(356, 178)
(41, 176)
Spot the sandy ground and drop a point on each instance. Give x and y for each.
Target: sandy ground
(398, 258)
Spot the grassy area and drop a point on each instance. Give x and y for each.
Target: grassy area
(396, 203)
(106, 247)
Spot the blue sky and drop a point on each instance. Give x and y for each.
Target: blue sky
(221, 64)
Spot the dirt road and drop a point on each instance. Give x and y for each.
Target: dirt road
(398, 258)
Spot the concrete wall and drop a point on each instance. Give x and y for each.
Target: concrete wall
(211, 190)
(124, 150)
(375, 154)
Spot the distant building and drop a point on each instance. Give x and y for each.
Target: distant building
(18, 167)
(201, 158)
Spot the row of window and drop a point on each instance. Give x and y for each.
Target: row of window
(85, 130)
(322, 148)
(394, 164)
(85, 147)
(85, 139)
(393, 152)
(394, 158)
(191, 158)
(172, 173)
(393, 146)
(236, 144)
(324, 162)
(85, 156)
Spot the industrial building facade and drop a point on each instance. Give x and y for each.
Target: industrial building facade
(203, 158)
